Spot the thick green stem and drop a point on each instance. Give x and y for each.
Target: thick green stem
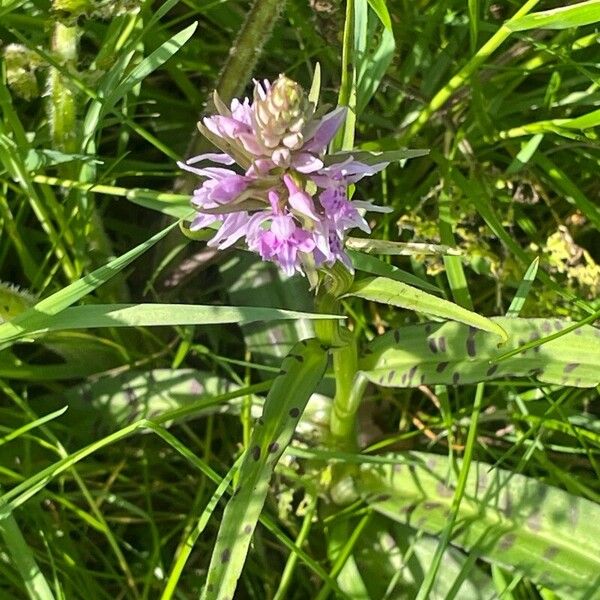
(62, 106)
(463, 75)
(349, 384)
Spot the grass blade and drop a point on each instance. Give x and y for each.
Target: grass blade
(302, 370)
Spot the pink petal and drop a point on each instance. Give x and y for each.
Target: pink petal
(326, 128)
(304, 162)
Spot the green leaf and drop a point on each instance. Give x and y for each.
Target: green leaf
(374, 158)
(148, 315)
(157, 58)
(100, 406)
(76, 290)
(381, 10)
(576, 15)
(372, 65)
(396, 293)
(301, 372)
(315, 86)
(523, 290)
(550, 536)
(392, 558)
(398, 248)
(451, 353)
(371, 264)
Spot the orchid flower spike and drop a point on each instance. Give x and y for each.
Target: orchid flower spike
(287, 198)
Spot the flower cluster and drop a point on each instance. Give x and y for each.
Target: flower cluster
(273, 183)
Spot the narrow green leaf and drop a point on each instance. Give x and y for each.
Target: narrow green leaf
(371, 264)
(157, 58)
(76, 290)
(23, 559)
(302, 370)
(576, 15)
(147, 315)
(385, 247)
(374, 158)
(523, 290)
(381, 10)
(396, 293)
(315, 86)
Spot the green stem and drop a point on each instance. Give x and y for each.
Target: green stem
(62, 105)
(349, 384)
(461, 77)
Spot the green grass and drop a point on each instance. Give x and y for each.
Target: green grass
(135, 362)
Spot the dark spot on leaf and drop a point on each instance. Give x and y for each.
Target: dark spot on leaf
(551, 552)
(431, 505)
(261, 421)
(397, 336)
(441, 367)
(130, 395)
(298, 357)
(455, 378)
(423, 379)
(225, 555)
(571, 366)
(442, 343)
(294, 413)
(381, 498)
(282, 372)
(547, 326)
(255, 452)
(248, 529)
(304, 342)
(428, 328)
(432, 345)
(368, 351)
(210, 587)
(578, 331)
(273, 447)
(558, 325)
(491, 370)
(412, 372)
(506, 542)
(391, 376)
(471, 341)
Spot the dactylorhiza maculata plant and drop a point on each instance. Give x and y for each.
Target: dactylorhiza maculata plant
(274, 185)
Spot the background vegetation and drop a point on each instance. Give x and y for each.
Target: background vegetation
(98, 100)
